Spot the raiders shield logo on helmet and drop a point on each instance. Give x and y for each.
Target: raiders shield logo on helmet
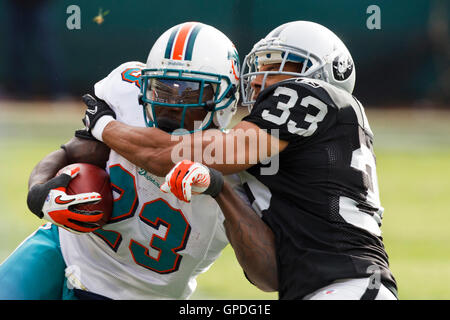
(342, 67)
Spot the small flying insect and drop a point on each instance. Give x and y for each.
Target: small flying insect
(99, 19)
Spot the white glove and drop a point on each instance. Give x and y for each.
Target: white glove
(187, 178)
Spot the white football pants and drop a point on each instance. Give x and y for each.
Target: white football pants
(352, 289)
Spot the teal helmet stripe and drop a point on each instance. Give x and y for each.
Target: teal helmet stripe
(170, 43)
(191, 41)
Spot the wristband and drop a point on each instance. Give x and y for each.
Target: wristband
(100, 125)
(215, 184)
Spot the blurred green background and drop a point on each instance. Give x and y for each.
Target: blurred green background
(402, 79)
(413, 164)
(404, 61)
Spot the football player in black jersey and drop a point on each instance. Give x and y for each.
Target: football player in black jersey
(322, 201)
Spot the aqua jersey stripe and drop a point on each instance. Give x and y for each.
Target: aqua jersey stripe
(170, 43)
(191, 41)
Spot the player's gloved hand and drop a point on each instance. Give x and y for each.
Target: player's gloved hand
(98, 114)
(188, 178)
(50, 201)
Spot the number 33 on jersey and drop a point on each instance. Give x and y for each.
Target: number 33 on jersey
(327, 130)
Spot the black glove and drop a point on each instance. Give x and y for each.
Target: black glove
(39, 192)
(50, 201)
(96, 108)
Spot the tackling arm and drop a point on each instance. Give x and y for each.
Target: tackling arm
(148, 148)
(157, 151)
(252, 240)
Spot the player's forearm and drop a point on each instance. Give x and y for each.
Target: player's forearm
(74, 151)
(251, 239)
(147, 148)
(157, 151)
(47, 167)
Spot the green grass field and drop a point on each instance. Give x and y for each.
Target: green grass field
(413, 157)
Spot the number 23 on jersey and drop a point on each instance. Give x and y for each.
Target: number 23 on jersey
(158, 215)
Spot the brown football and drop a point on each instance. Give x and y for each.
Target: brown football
(92, 179)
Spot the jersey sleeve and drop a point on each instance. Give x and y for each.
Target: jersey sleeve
(291, 111)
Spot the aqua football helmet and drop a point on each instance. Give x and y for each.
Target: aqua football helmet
(320, 52)
(191, 66)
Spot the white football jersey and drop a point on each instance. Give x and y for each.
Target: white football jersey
(155, 245)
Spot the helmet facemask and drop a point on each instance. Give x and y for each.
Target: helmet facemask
(272, 52)
(182, 99)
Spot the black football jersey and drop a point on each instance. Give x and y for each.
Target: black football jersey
(322, 200)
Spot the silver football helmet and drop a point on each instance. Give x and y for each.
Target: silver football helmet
(322, 54)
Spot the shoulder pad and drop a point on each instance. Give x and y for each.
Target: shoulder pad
(121, 88)
(105, 88)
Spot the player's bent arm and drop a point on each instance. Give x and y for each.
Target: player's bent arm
(157, 151)
(47, 168)
(47, 197)
(252, 240)
(74, 151)
(148, 148)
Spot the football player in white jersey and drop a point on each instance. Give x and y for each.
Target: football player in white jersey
(323, 201)
(154, 245)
